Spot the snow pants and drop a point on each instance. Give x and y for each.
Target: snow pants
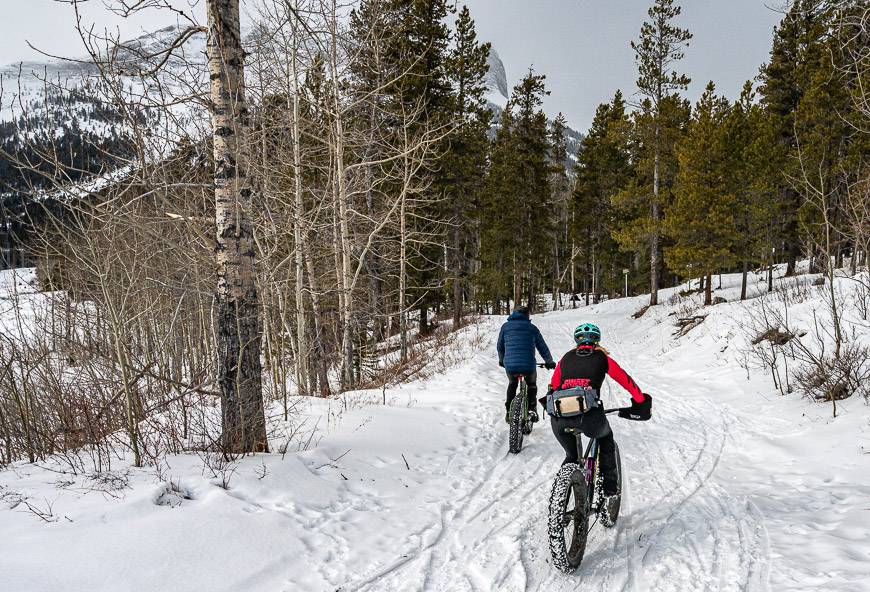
(593, 424)
(531, 384)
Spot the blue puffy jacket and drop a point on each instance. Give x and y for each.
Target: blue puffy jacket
(517, 341)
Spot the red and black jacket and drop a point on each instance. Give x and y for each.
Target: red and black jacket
(587, 366)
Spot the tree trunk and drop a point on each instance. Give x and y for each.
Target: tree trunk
(424, 320)
(457, 274)
(654, 243)
(338, 149)
(708, 290)
(302, 355)
(744, 280)
(403, 281)
(238, 321)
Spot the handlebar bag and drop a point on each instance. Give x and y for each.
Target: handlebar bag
(571, 401)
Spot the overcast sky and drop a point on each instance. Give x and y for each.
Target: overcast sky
(581, 45)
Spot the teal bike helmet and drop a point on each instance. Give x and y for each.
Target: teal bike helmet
(587, 334)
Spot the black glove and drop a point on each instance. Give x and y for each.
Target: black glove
(551, 365)
(501, 363)
(638, 411)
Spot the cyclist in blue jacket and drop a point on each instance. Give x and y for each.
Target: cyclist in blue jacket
(516, 346)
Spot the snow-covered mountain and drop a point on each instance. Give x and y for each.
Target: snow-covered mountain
(54, 98)
(498, 93)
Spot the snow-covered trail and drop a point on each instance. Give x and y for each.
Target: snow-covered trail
(728, 488)
(680, 528)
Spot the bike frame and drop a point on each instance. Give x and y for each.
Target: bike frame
(588, 456)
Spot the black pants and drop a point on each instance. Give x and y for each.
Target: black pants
(593, 424)
(531, 383)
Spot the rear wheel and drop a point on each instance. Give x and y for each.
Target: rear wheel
(608, 512)
(568, 520)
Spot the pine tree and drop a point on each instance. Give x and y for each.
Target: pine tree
(532, 169)
(464, 164)
(421, 51)
(635, 225)
(603, 169)
(498, 247)
(516, 210)
(661, 44)
(756, 169)
(561, 199)
(701, 218)
(795, 54)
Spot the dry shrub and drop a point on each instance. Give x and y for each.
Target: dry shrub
(829, 378)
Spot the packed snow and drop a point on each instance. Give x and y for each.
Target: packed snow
(729, 487)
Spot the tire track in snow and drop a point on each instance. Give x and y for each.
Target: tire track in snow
(679, 529)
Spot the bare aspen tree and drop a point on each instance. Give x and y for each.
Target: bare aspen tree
(239, 331)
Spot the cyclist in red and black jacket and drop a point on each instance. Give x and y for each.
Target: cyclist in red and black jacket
(586, 366)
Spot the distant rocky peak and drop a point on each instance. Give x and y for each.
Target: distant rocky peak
(496, 78)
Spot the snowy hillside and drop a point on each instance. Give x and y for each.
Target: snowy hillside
(729, 487)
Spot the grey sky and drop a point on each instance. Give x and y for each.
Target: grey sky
(581, 45)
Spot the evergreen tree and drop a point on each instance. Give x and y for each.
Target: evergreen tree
(561, 199)
(516, 211)
(418, 44)
(661, 44)
(701, 218)
(755, 172)
(796, 53)
(603, 169)
(498, 249)
(532, 169)
(824, 126)
(636, 224)
(464, 164)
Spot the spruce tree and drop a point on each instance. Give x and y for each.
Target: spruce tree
(561, 198)
(635, 224)
(464, 163)
(701, 218)
(532, 169)
(516, 211)
(603, 169)
(796, 53)
(420, 47)
(660, 46)
(498, 247)
(754, 177)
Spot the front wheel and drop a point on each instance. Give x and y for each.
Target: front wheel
(568, 520)
(515, 439)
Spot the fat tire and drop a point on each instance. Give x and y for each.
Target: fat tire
(570, 484)
(608, 519)
(515, 438)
